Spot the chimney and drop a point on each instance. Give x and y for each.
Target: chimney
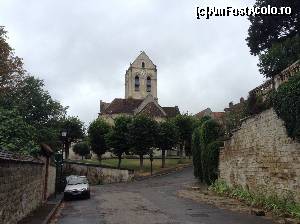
(242, 100)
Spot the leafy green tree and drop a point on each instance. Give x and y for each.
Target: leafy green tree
(279, 56)
(264, 30)
(16, 134)
(167, 138)
(97, 131)
(118, 139)
(142, 135)
(82, 149)
(11, 68)
(75, 131)
(185, 125)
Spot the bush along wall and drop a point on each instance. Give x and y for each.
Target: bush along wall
(286, 103)
(206, 142)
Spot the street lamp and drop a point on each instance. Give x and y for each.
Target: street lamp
(64, 137)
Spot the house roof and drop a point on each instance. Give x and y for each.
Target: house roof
(118, 106)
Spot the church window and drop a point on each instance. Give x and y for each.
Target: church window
(148, 84)
(143, 64)
(137, 83)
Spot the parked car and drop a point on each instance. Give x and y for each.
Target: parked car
(77, 186)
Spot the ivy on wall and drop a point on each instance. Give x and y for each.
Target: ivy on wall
(286, 103)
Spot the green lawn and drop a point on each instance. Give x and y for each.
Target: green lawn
(134, 164)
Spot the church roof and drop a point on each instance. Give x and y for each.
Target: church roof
(171, 111)
(130, 106)
(118, 106)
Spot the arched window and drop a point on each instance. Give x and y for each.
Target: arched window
(137, 83)
(143, 64)
(148, 84)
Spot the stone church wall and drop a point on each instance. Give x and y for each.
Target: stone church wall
(260, 154)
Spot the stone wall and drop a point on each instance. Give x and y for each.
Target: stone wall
(98, 174)
(260, 154)
(21, 189)
(51, 181)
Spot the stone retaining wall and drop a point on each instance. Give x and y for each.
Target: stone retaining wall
(260, 154)
(98, 174)
(21, 189)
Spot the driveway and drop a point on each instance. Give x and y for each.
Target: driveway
(148, 201)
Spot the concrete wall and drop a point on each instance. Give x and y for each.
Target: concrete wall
(260, 154)
(21, 189)
(98, 174)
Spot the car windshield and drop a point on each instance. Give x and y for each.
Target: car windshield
(74, 181)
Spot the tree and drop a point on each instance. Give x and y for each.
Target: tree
(279, 56)
(197, 153)
(75, 131)
(97, 131)
(117, 139)
(11, 68)
(82, 149)
(264, 30)
(142, 135)
(185, 127)
(16, 134)
(167, 138)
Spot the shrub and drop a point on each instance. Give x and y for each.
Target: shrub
(286, 102)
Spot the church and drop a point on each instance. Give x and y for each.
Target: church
(140, 94)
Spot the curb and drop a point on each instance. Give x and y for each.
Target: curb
(53, 211)
(163, 173)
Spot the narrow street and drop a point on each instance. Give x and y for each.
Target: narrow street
(148, 201)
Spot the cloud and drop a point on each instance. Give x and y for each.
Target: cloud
(83, 48)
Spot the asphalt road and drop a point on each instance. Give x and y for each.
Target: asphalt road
(149, 201)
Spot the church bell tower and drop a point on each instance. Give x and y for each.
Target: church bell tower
(141, 78)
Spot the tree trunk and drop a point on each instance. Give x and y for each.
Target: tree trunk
(119, 162)
(181, 150)
(100, 158)
(163, 158)
(141, 162)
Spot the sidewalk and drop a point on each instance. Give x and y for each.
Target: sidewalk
(43, 214)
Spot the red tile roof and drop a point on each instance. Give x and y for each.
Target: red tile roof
(118, 106)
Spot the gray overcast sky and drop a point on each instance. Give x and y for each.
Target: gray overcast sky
(81, 49)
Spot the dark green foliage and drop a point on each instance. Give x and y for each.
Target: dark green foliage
(185, 125)
(279, 57)
(142, 136)
(255, 104)
(197, 153)
(211, 161)
(286, 102)
(118, 139)
(206, 142)
(11, 68)
(96, 134)
(167, 137)
(16, 134)
(82, 149)
(264, 30)
(210, 131)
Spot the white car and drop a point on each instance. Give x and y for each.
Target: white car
(77, 186)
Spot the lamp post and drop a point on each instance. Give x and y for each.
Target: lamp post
(151, 160)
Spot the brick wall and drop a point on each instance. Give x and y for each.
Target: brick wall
(260, 154)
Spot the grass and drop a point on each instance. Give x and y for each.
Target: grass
(284, 205)
(134, 164)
